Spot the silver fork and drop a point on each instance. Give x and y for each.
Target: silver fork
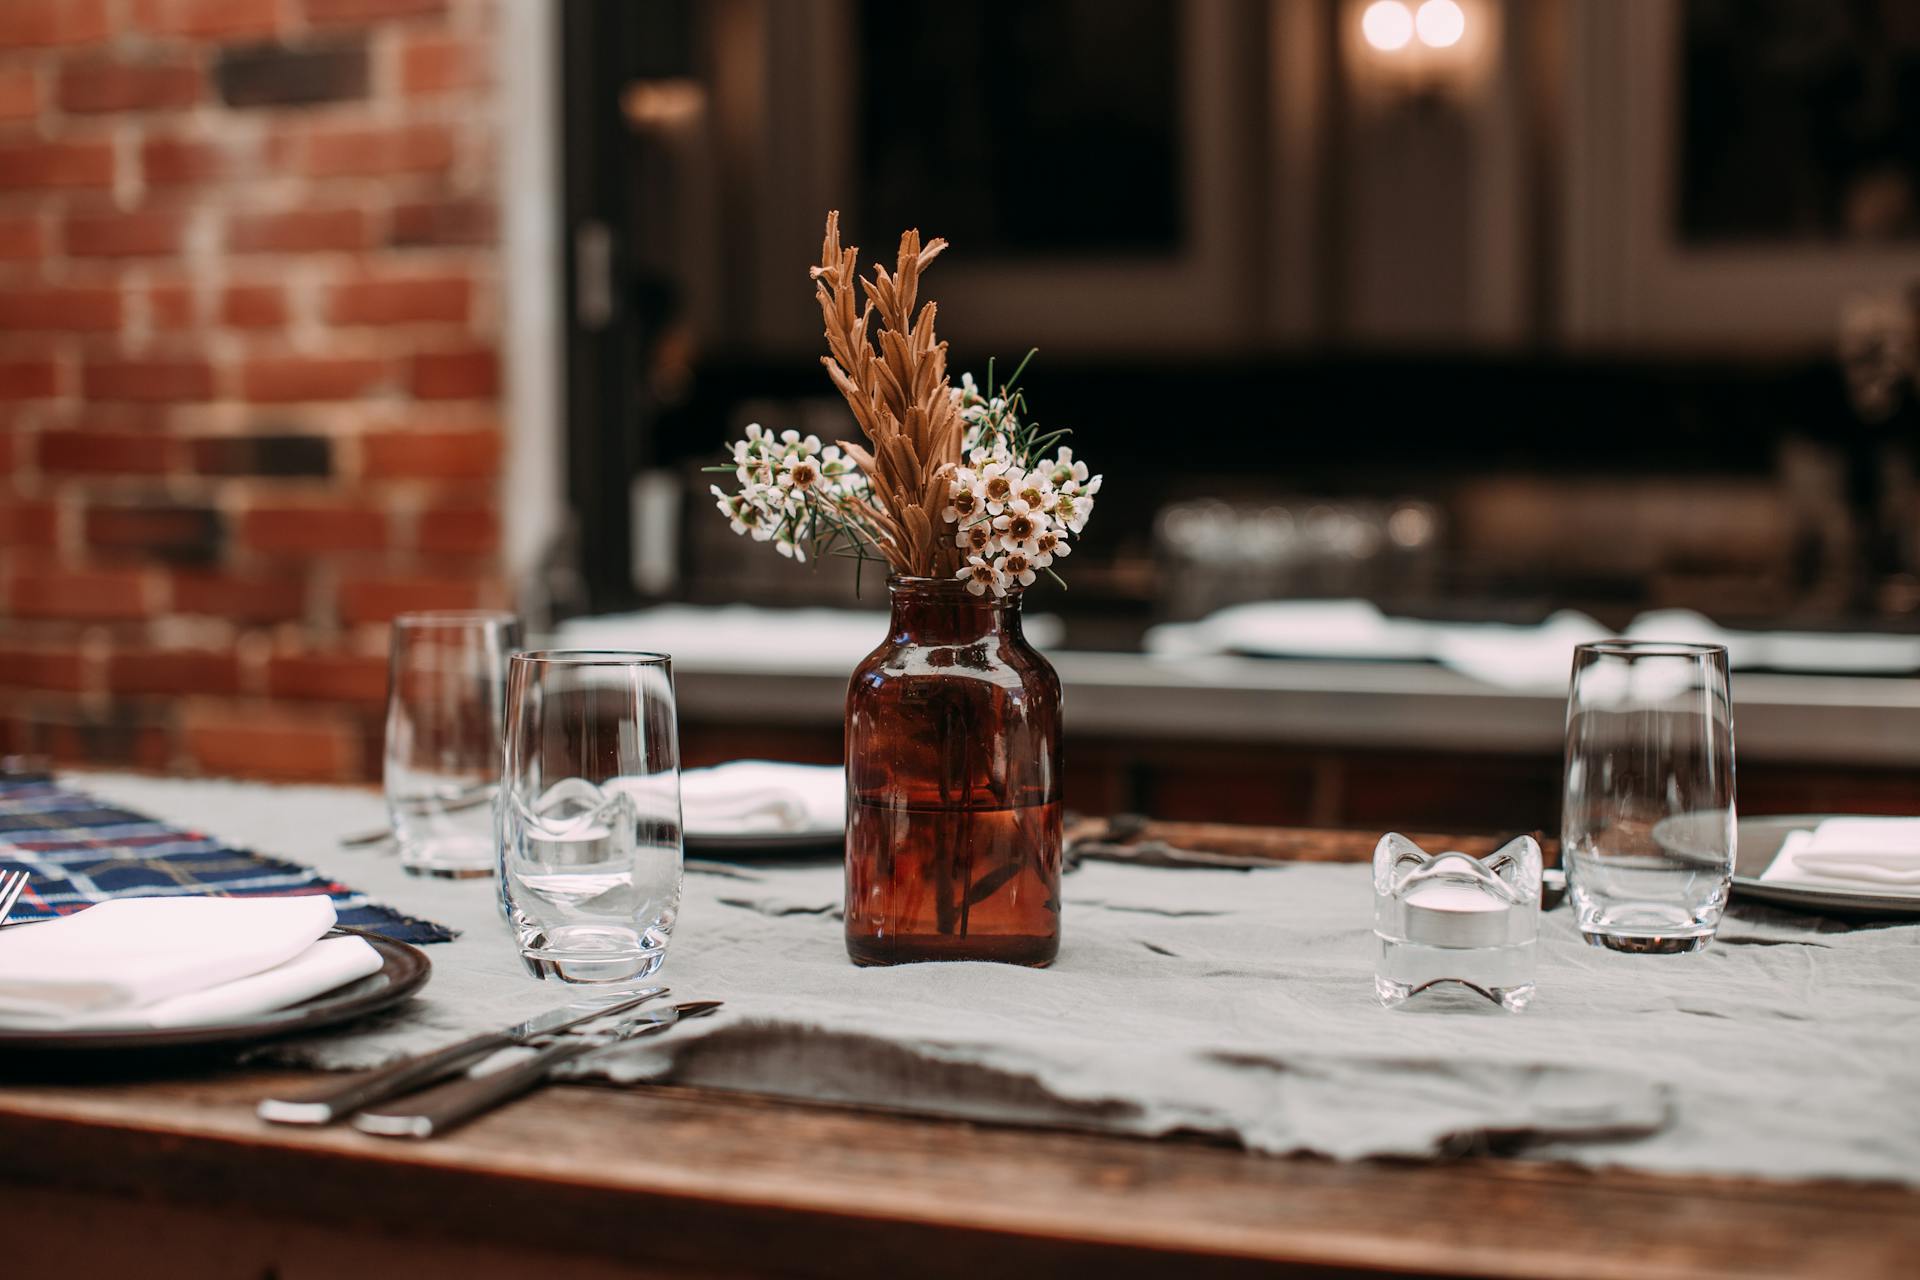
(12, 885)
(434, 1111)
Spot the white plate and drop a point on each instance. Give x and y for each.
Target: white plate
(403, 969)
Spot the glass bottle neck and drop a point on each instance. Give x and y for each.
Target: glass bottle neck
(943, 611)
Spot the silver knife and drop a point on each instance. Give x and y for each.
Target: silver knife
(334, 1101)
(446, 1106)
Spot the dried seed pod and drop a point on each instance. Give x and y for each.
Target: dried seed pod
(895, 382)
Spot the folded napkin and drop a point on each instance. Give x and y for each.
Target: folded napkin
(1881, 854)
(751, 797)
(1510, 657)
(1349, 629)
(158, 962)
(1838, 653)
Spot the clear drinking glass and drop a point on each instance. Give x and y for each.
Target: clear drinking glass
(1647, 827)
(589, 814)
(446, 680)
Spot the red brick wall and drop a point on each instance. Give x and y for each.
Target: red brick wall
(249, 370)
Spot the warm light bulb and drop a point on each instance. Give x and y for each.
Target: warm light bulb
(1387, 25)
(1440, 23)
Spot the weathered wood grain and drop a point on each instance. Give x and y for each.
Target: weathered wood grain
(747, 1185)
(680, 1179)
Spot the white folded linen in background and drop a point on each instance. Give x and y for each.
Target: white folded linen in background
(1510, 657)
(1877, 854)
(1351, 629)
(1517, 657)
(1539, 656)
(1837, 653)
(118, 962)
(756, 796)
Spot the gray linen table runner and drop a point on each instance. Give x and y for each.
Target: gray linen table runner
(1235, 1004)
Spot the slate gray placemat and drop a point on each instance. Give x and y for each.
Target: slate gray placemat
(1235, 1004)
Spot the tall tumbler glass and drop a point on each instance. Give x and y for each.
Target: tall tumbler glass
(1647, 825)
(446, 685)
(589, 814)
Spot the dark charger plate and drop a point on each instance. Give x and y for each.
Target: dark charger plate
(402, 972)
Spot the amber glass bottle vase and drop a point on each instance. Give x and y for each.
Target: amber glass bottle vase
(953, 785)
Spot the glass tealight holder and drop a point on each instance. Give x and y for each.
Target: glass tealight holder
(1450, 919)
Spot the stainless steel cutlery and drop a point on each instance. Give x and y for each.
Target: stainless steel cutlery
(446, 1106)
(337, 1100)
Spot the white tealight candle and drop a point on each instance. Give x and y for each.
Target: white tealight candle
(1451, 918)
(1448, 913)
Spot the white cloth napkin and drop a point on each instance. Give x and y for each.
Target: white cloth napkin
(752, 797)
(1881, 854)
(328, 963)
(157, 962)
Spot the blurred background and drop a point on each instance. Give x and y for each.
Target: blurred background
(1457, 313)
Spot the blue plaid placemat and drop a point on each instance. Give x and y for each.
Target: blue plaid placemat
(80, 851)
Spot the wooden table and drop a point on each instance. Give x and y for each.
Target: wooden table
(174, 1176)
